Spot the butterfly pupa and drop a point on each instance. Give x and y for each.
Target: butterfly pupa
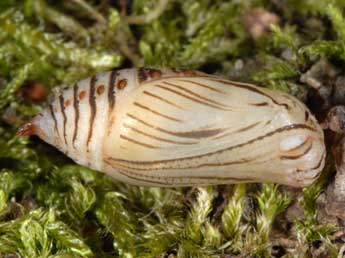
(172, 127)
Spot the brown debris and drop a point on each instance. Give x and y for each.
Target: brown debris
(321, 78)
(323, 215)
(34, 92)
(11, 116)
(335, 119)
(287, 243)
(336, 191)
(294, 211)
(320, 75)
(258, 21)
(338, 97)
(335, 194)
(124, 5)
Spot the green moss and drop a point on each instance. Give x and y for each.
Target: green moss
(333, 48)
(51, 207)
(38, 234)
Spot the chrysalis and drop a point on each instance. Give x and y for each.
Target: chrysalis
(171, 127)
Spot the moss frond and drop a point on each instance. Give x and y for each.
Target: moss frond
(38, 234)
(232, 227)
(271, 202)
(274, 71)
(198, 215)
(327, 48)
(123, 229)
(308, 229)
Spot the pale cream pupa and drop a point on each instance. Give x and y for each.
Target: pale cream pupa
(173, 127)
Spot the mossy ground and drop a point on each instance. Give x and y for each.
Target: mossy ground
(50, 207)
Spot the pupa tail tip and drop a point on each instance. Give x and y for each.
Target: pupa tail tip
(27, 129)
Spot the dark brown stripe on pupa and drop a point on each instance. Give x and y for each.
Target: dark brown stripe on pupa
(52, 113)
(161, 163)
(261, 104)
(93, 110)
(306, 114)
(156, 112)
(241, 130)
(299, 155)
(76, 111)
(320, 162)
(195, 94)
(156, 137)
(161, 99)
(250, 88)
(128, 174)
(204, 86)
(190, 134)
(111, 89)
(315, 167)
(62, 106)
(190, 98)
(178, 180)
(138, 142)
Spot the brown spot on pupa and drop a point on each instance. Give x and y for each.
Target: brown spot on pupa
(67, 103)
(100, 89)
(122, 84)
(189, 73)
(186, 72)
(82, 94)
(155, 74)
(145, 73)
(306, 114)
